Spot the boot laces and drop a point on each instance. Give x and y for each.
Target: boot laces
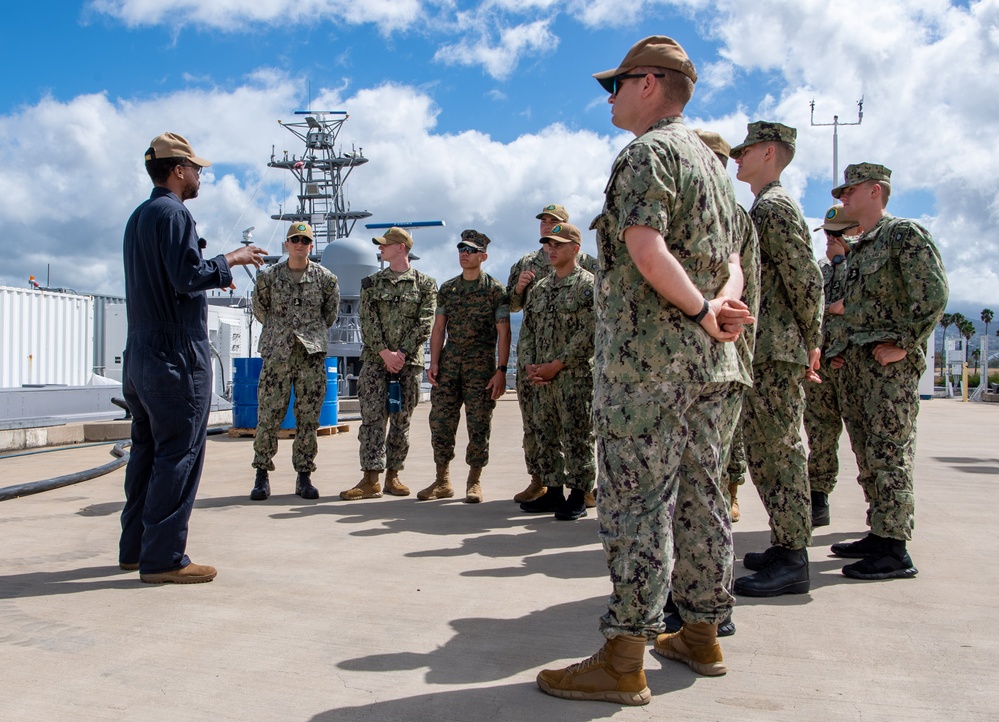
(595, 660)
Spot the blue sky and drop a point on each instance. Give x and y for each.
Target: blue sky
(476, 113)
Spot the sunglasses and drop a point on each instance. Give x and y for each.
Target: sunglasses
(197, 168)
(470, 250)
(615, 81)
(840, 234)
(304, 240)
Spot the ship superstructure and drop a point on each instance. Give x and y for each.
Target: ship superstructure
(321, 170)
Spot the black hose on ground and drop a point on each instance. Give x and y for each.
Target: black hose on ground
(36, 487)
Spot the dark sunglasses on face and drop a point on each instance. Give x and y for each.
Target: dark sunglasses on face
(470, 250)
(840, 234)
(304, 240)
(616, 80)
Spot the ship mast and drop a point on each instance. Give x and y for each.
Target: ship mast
(321, 172)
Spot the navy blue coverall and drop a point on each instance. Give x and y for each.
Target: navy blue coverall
(166, 380)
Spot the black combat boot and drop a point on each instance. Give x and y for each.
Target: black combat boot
(261, 486)
(549, 503)
(304, 487)
(785, 573)
(871, 545)
(755, 561)
(893, 562)
(573, 508)
(820, 509)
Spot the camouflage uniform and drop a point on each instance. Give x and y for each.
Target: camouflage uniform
(734, 452)
(536, 261)
(397, 312)
(467, 363)
(896, 291)
(789, 325)
(559, 325)
(664, 391)
(823, 414)
(296, 318)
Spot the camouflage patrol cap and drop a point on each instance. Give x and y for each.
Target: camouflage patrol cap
(393, 236)
(836, 220)
(657, 51)
(556, 211)
(860, 173)
(761, 131)
(714, 141)
(472, 237)
(563, 233)
(301, 229)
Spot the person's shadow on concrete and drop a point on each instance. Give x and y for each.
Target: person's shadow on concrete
(486, 649)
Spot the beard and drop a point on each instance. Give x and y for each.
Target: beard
(191, 190)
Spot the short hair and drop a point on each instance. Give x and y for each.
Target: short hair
(159, 169)
(885, 192)
(675, 86)
(783, 154)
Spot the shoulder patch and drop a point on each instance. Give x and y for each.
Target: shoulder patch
(366, 282)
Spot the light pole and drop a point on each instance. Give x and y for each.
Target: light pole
(835, 126)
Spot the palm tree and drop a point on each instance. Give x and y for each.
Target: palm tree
(987, 317)
(967, 328)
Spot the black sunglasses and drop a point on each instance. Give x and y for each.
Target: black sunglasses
(615, 81)
(464, 248)
(304, 240)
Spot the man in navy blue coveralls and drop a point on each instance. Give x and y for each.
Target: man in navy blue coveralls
(167, 369)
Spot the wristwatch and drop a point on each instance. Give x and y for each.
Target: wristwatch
(501, 368)
(699, 317)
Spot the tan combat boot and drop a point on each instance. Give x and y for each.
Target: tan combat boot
(367, 488)
(696, 645)
(534, 490)
(441, 488)
(590, 499)
(733, 491)
(473, 490)
(614, 674)
(392, 484)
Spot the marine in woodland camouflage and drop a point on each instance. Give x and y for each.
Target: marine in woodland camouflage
(467, 363)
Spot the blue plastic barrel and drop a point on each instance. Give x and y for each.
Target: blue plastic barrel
(244, 395)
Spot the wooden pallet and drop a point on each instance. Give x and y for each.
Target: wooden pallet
(290, 433)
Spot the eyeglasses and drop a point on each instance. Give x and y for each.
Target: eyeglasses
(304, 240)
(197, 168)
(616, 80)
(470, 250)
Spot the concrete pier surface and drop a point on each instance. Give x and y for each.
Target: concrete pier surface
(393, 609)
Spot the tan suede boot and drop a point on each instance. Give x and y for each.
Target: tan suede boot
(367, 488)
(392, 484)
(733, 491)
(534, 490)
(473, 490)
(614, 674)
(441, 488)
(696, 645)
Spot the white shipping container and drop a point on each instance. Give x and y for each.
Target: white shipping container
(45, 337)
